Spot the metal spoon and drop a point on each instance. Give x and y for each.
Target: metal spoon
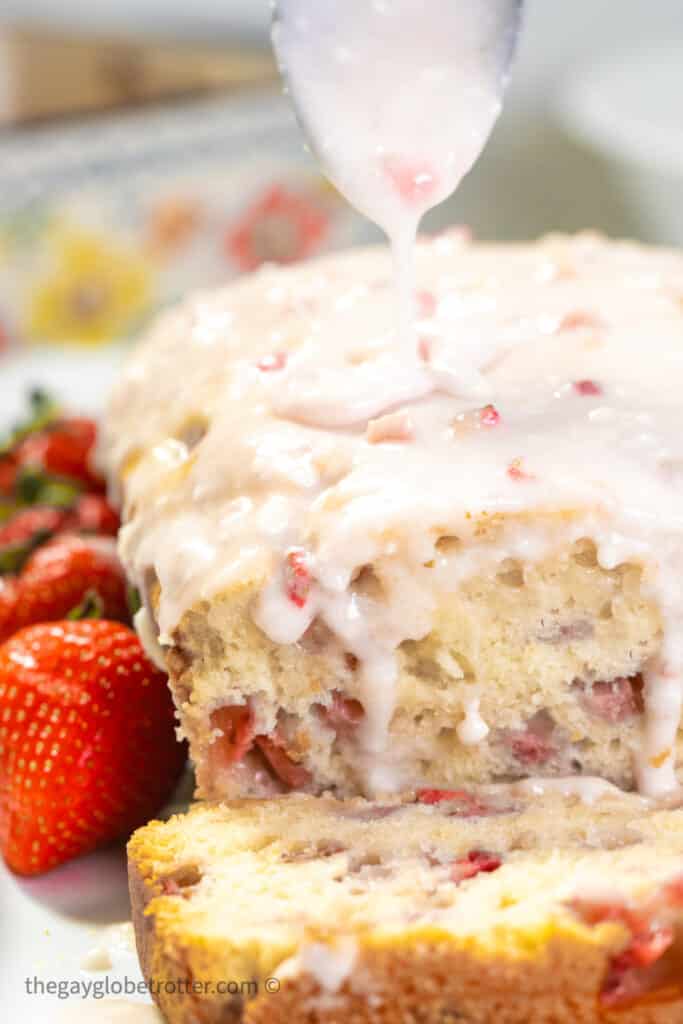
(396, 97)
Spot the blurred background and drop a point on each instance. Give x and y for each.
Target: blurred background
(145, 149)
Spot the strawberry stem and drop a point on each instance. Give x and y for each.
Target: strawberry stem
(43, 410)
(91, 607)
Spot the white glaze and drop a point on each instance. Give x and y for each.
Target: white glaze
(267, 476)
(149, 637)
(473, 729)
(588, 789)
(98, 958)
(329, 965)
(108, 1011)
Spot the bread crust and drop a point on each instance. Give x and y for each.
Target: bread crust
(428, 981)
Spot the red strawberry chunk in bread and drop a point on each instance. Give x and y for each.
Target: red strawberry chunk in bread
(642, 969)
(465, 805)
(343, 713)
(237, 726)
(535, 744)
(475, 863)
(616, 701)
(288, 771)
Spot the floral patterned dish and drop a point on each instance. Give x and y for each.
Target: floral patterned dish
(105, 221)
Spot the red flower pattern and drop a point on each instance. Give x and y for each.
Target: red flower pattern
(280, 227)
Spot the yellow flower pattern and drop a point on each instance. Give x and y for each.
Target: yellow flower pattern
(95, 291)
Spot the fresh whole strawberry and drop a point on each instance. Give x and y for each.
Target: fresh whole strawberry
(63, 449)
(87, 741)
(94, 514)
(58, 577)
(8, 474)
(28, 528)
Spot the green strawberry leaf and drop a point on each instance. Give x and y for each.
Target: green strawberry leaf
(36, 487)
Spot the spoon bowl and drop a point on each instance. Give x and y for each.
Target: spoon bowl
(396, 97)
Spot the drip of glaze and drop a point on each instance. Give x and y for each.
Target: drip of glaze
(396, 103)
(397, 106)
(473, 729)
(587, 788)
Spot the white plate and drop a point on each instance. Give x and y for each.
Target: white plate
(52, 926)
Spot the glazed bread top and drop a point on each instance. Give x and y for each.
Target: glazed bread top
(281, 436)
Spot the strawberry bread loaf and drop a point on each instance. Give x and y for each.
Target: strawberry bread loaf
(448, 909)
(376, 560)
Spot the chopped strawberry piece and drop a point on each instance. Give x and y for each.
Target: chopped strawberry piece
(438, 796)
(298, 579)
(466, 805)
(236, 722)
(395, 427)
(673, 893)
(94, 514)
(342, 713)
(276, 361)
(426, 304)
(530, 749)
(615, 701)
(290, 772)
(629, 976)
(424, 349)
(535, 743)
(587, 387)
(516, 471)
(645, 948)
(475, 863)
(475, 419)
(414, 182)
(489, 416)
